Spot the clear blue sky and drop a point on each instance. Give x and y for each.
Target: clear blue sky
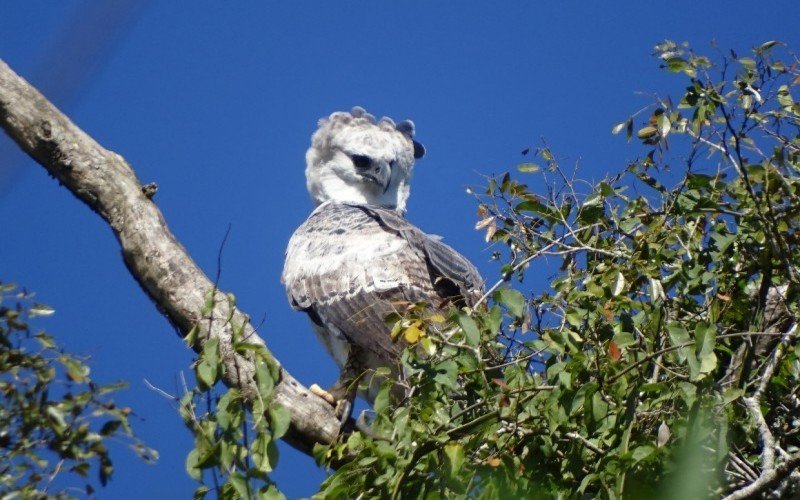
(216, 103)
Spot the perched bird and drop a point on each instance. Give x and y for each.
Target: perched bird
(356, 259)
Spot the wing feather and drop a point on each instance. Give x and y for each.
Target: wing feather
(350, 266)
(442, 260)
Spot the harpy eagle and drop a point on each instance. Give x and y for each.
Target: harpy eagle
(356, 257)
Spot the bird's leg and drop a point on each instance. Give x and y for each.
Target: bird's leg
(343, 393)
(344, 390)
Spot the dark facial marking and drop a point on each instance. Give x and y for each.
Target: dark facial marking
(361, 162)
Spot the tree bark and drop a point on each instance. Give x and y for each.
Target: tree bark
(178, 287)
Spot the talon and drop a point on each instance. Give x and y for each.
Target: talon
(327, 396)
(344, 408)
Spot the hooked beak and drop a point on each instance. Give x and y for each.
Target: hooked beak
(373, 171)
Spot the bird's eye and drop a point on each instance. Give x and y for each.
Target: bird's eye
(360, 161)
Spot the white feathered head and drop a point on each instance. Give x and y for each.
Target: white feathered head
(357, 159)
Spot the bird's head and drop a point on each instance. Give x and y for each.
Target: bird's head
(357, 159)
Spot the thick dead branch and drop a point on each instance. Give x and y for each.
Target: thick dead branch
(106, 183)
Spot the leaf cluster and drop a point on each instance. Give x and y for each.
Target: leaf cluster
(235, 440)
(55, 422)
(662, 358)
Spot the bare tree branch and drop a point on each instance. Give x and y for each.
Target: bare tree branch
(767, 479)
(106, 183)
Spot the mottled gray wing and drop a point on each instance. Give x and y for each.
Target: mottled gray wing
(349, 266)
(443, 262)
(348, 273)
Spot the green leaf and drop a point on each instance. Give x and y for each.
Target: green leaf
(270, 492)
(664, 125)
(230, 412)
(40, 310)
(512, 299)
(471, 333)
(382, 400)
(785, 97)
(533, 206)
(732, 394)
(705, 341)
(208, 304)
(641, 453)
(240, 484)
(619, 127)
(624, 339)
(678, 334)
(679, 337)
(259, 451)
(494, 320)
(206, 374)
(192, 468)
(748, 63)
(646, 132)
(675, 64)
(528, 168)
(279, 418)
(191, 337)
(200, 493)
(454, 454)
(76, 371)
(688, 392)
(57, 417)
(211, 352)
(46, 341)
(766, 46)
(575, 317)
(427, 345)
(599, 407)
(110, 427)
(264, 380)
(446, 373)
(722, 241)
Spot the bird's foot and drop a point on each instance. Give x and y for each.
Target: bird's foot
(319, 391)
(343, 407)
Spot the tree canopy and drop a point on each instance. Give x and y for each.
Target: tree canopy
(55, 422)
(663, 358)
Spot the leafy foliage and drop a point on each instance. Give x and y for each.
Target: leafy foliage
(55, 422)
(662, 358)
(234, 439)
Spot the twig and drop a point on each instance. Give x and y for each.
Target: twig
(655, 354)
(767, 479)
(596, 449)
(753, 403)
(56, 471)
(742, 466)
(161, 391)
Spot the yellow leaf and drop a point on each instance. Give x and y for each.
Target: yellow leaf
(646, 132)
(412, 334)
(437, 318)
